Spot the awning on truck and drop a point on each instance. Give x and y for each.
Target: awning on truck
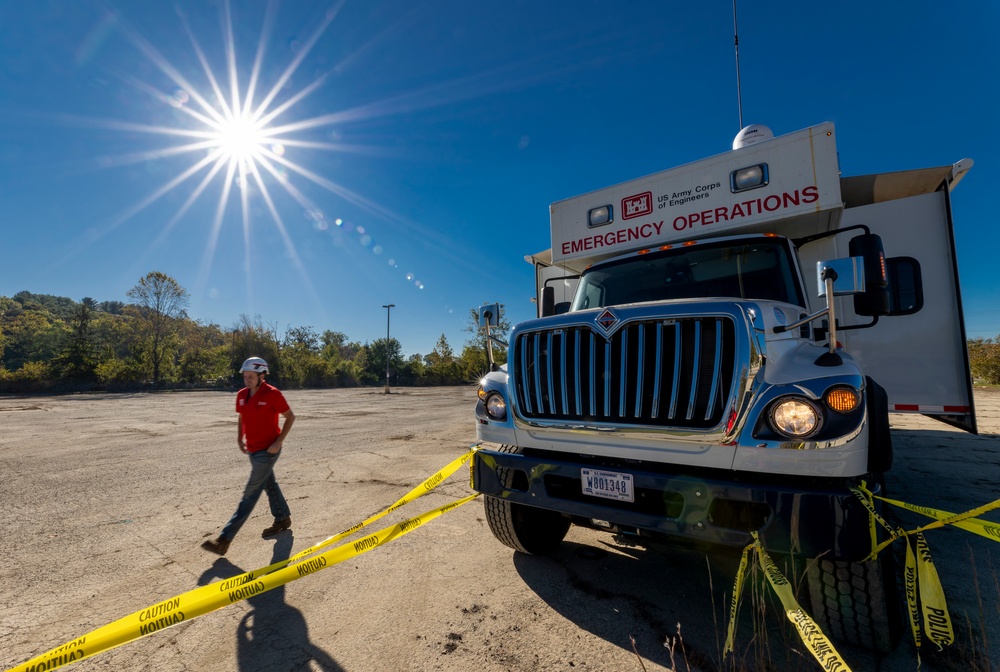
(869, 189)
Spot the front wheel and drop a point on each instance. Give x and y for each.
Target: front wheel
(857, 602)
(527, 529)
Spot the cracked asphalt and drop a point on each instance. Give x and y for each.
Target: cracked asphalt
(107, 497)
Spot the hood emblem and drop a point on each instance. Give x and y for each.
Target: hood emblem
(607, 321)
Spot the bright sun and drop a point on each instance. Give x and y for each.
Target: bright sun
(233, 133)
(240, 138)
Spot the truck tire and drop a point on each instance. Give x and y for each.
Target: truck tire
(527, 529)
(857, 602)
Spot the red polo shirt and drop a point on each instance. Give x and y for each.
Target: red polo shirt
(260, 415)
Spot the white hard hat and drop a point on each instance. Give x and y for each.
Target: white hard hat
(255, 364)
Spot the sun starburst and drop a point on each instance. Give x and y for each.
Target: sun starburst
(240, 138)
(250, 141)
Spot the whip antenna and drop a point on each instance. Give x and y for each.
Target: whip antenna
(736, 42)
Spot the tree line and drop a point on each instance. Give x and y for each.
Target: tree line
(55, 344)
(984, 359)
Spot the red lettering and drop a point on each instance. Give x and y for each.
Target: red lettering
(768, 202)
(810, 194)
(613, 238)
(721, 214)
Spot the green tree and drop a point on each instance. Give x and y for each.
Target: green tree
(376, 359)
(413, 371)
(301, 359)
(159, 302)
(442, 367)
(78, 358)
(204, 353)
(333, 346)
(984, 359)
(33, 335)
(365, 372)
(252, 338)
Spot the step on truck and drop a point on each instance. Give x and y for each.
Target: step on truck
(716, 352)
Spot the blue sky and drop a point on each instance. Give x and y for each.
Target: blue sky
(422, 142)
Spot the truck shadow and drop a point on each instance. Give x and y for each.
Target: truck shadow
(623, 593)
(273, 636)
(647, 599)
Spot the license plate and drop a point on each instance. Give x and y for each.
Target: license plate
(607, 484)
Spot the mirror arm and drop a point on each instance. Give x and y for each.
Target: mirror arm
(489, 344)
(829, 275)
(782, 328)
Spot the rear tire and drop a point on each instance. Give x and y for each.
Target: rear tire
(857, 602)
(527, 529)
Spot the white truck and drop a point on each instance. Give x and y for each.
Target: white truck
(717, 349)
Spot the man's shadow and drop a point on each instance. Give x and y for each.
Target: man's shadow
(273, 635)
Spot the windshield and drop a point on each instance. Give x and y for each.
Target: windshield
(744, 269)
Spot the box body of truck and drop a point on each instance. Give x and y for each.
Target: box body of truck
(681, 381)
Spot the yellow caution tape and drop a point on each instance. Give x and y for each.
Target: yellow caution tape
(872, 531)
(865, 495)
(964, 521)
(205, 599)
(921, 575)
(812, 636)
(910, 587)
(937, 620)
(809, 632)
(734, 605)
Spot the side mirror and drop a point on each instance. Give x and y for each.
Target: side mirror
(874, 300)
(489, 316)
(847, 275)
(548, 301)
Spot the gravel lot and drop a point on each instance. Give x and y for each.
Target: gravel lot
(107, 498)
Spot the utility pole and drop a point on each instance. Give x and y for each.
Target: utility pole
(388, 309)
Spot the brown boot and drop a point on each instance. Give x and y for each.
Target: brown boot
(276, 527)
(218, 546)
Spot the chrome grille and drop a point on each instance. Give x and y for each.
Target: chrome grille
(661, 372)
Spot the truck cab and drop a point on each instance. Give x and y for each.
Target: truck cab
(717, 349)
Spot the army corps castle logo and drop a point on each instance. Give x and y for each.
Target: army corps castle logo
(638, 205)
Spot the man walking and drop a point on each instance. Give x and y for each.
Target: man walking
(259, 435)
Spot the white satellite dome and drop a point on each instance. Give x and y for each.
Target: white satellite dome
(751, 135)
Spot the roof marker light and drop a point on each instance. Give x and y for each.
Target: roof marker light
(748, 178)
(600, 216)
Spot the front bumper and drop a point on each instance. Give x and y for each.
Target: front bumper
(807, 521)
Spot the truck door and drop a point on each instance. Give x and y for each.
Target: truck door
(919, 357)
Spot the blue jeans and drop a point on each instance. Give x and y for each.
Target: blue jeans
(261, 478)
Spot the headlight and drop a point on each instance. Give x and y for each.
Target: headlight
(795, 418)
(495, 406)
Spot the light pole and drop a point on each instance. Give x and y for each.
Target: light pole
(388, 309)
